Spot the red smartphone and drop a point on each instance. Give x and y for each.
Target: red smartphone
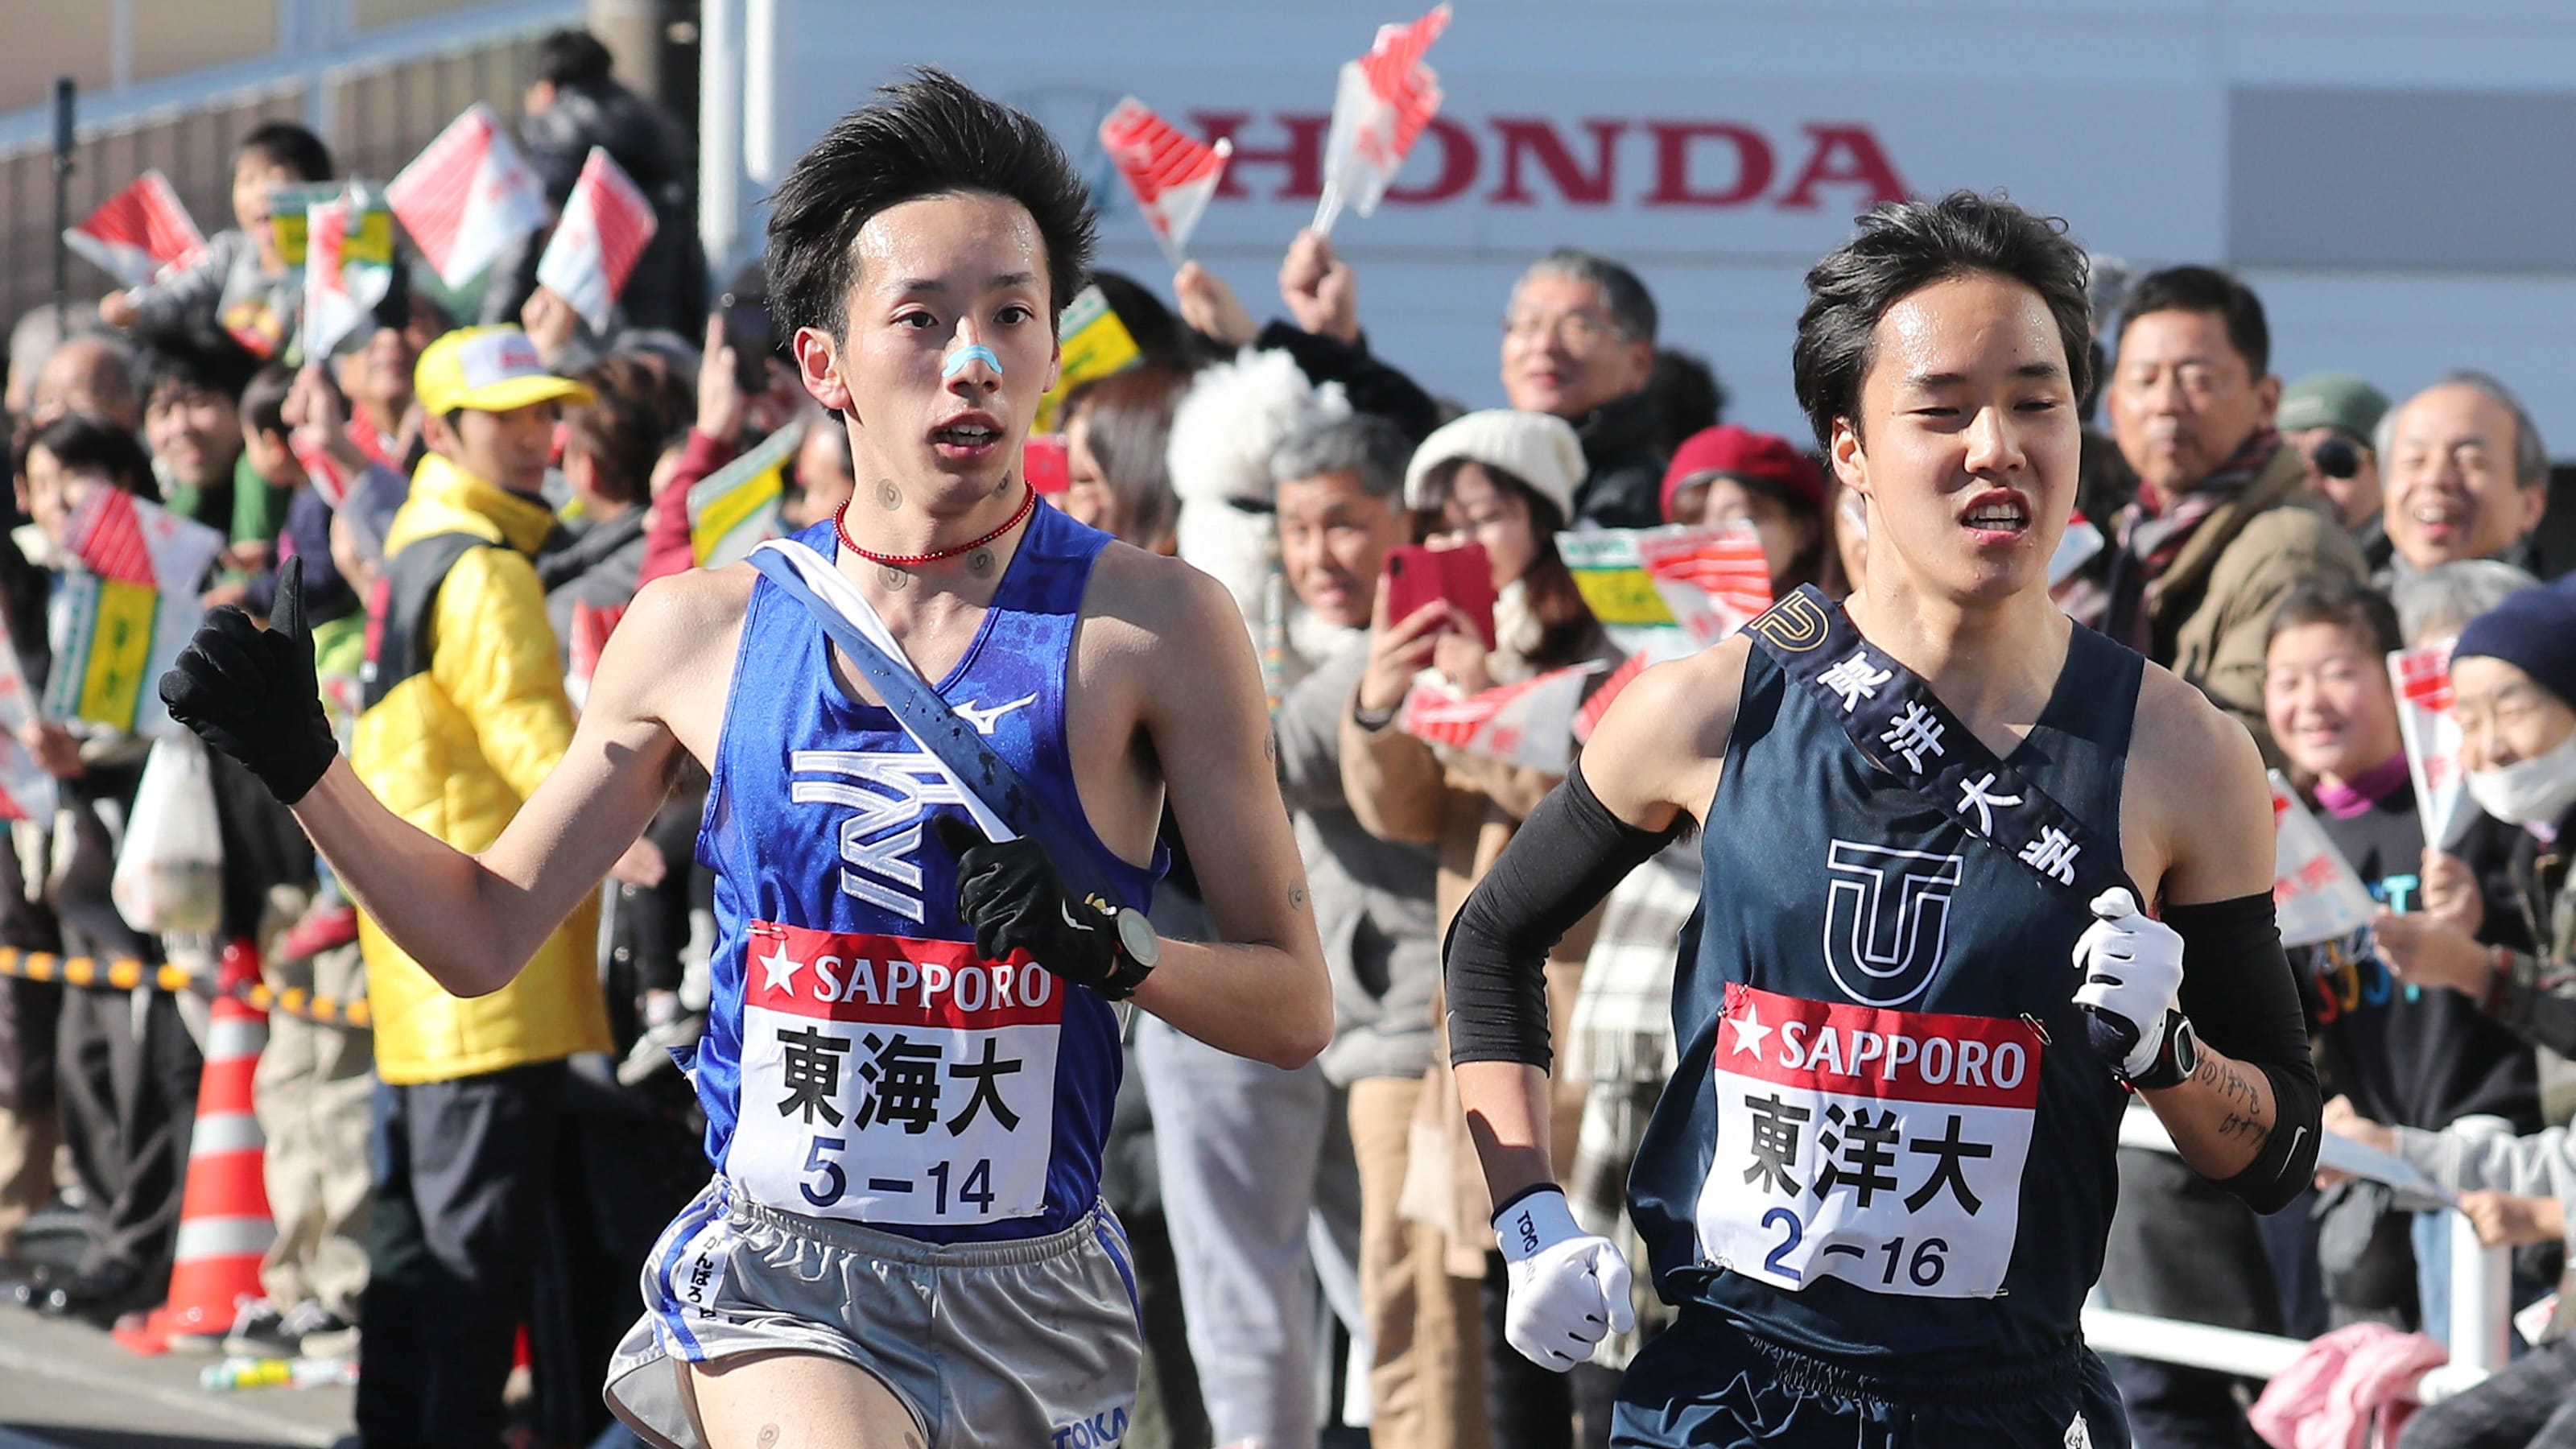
(1043, 457)
(1416, 576)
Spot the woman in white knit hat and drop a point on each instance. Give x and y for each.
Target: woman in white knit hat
(1505, 480)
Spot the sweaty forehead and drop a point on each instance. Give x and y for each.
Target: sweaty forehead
(956, 240)
(1977, 326)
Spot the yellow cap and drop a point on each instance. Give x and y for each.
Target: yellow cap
(488, 369)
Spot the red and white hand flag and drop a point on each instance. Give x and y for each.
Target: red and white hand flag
(467, 196)
(2316, 896)
(140, 233)
(1714, 577)
(1385, 99)
(1529, 724)
(606, 223)
(1172, 173)
(2431, 734)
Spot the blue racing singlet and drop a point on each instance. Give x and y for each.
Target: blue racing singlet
(861, 1061)
(1887, 1139)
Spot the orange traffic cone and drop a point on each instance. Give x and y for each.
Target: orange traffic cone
(224, 1225)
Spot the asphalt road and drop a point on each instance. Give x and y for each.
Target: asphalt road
(66, 1385)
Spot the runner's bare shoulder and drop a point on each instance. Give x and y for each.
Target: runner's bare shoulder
(670, 659)
(1663, 741)
(1150, 606)
(2194, 774)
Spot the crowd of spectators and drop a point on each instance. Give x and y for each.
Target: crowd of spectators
(472, 505)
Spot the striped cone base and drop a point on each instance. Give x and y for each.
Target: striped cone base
(224, 1224)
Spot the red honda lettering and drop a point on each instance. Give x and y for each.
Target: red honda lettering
(1673, 150)
(1843, 155)
(1529, 136)
(1302, 156)
(1458, 158)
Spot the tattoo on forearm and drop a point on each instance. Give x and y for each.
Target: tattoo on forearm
(2248, 1114)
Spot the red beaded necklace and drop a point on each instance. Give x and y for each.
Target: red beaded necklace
(840, 525)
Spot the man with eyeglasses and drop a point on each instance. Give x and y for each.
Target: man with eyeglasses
(2223, 527)
(1579, 342)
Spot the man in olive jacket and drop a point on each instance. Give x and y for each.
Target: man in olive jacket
(2224, 526)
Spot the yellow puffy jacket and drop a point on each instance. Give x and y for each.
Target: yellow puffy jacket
(455, 748)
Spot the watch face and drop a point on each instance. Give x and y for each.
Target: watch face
(1136, 938)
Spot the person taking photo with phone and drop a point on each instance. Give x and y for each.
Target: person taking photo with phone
(1500, 482)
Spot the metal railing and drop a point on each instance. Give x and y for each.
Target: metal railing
(2481, 1286)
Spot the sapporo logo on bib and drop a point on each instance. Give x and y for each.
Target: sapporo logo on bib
(893, 1080)
(1878, 1146)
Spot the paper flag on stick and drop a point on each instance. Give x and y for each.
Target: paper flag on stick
(1669, 590)
(606, 224)
(139, 234)
(2315, 891)
(1380, 106)
(1713, 577)
(467, 196)
(1530, 724)
(2432, 739)
(1172, 174)
(735, 508)
(129, 608)
(348, 265)
(1096, 344)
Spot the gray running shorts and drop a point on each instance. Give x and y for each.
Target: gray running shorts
(1030, 1344)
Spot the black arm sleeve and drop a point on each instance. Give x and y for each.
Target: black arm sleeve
(1561, 862)
(2243, 1001)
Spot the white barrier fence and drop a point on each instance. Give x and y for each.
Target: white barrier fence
(2481, 1301)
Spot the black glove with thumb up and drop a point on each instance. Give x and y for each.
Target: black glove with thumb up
(253, 693)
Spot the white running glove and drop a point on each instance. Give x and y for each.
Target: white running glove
(1569, 1288)
(2132, 968)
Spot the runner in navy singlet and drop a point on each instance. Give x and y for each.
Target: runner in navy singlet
(913, 1048)
(1920, 985)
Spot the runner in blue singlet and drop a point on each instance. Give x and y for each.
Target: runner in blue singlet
(1920, 977)
(912, 1050)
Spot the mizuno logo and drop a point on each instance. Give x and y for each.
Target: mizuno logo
(985, 719)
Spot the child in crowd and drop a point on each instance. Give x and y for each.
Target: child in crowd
(243, 285)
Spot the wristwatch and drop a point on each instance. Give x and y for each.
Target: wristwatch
(2176, 1060)
(1139, 952)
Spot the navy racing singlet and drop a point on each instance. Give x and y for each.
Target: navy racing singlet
(861, 1061)
(1886, 1139)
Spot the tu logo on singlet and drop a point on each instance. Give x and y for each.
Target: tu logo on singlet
(1887, 919)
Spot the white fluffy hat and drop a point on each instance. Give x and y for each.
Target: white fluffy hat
(1224, 430)
(1540, 449)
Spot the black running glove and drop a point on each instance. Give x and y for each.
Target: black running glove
(1010, 894)
(252, 693)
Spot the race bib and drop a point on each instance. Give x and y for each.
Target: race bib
(895, 1081)
(1877, 1146)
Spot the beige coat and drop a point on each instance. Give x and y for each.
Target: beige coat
(1468, 807)
(2213, 613)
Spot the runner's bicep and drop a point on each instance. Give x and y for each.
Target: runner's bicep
(599, 797)
(1658, 749)
(1212, 738)
(2217, 811)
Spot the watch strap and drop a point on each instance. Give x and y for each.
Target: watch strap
(2168, 1069)
(1126, 972)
